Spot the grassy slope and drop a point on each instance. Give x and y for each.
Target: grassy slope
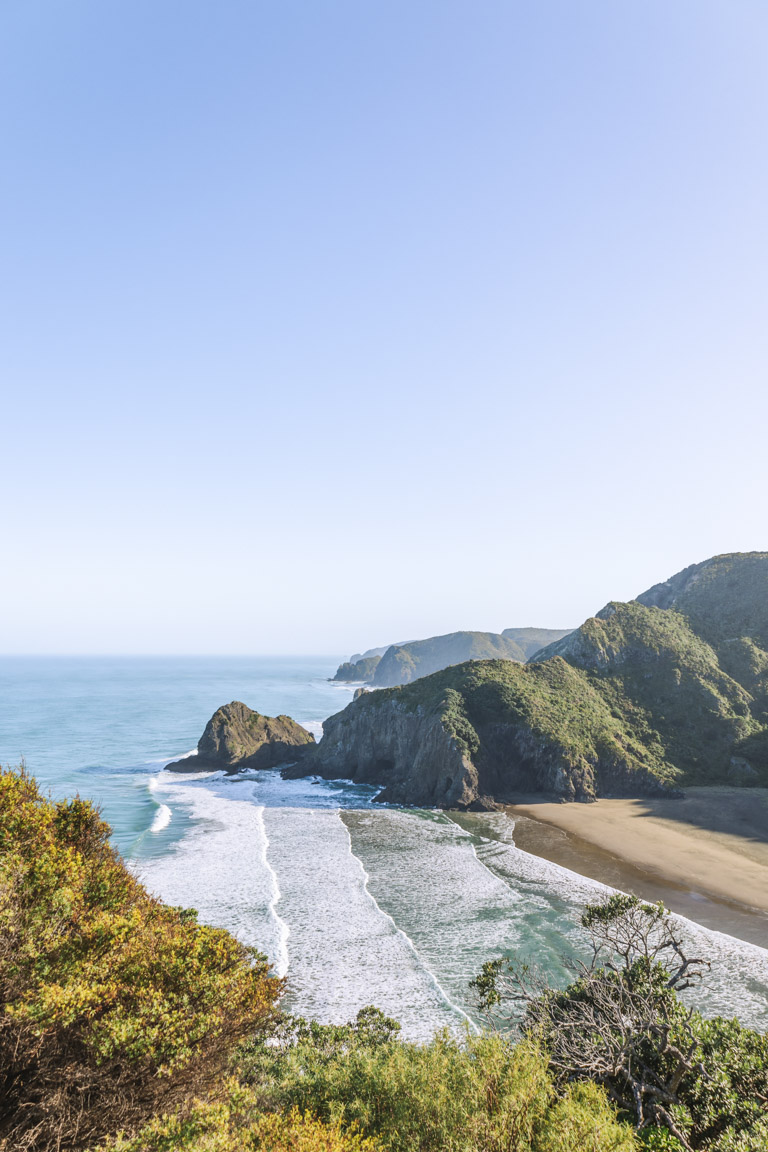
(401, 665)
(552, 708)
(676, 691)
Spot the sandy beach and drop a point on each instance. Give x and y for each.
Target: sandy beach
(705, 855)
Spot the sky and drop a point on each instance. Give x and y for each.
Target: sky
(330, 324)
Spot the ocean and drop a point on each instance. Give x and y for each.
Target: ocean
(356, 903)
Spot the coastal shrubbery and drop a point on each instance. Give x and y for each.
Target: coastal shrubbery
(127, 1027)
(684, 1081)
(113, 1005)
(358, 1087)
(482, 1092)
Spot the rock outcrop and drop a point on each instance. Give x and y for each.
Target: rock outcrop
(236, 737)
(357, 671)
(410, 754)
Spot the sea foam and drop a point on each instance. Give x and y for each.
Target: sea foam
(162, 819)
(360, 903)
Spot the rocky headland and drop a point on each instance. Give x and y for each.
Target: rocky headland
(403, 663)
(236, 737)
(644, 698)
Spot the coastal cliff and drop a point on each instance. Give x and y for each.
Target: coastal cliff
(407, 751)
(665, 691)
(403, 663)
(482, 733)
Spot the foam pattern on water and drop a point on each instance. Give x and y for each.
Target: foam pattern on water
(271, 860)
(361, 904)
(220, 867)
(344, 951)
(426, 872)
(737, 984)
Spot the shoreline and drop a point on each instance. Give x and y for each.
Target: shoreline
(705, 856)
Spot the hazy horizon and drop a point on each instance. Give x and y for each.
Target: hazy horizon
(330, 324)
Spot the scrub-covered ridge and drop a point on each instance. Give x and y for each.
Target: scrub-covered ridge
(403, 663)
(670, 689)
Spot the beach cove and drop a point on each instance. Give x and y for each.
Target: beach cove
(705, 855)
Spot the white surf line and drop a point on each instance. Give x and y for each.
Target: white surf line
(585, 882)
(698, 934)
(410, 944)
(162, 818)
(282, 960)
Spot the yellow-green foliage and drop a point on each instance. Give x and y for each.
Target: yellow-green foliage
(482, 1094)
(111, 1003)
(237, 1125)
(581, 1121)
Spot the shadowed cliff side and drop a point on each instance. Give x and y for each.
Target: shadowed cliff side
(480, 733)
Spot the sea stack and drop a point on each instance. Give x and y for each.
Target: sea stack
(236, 737)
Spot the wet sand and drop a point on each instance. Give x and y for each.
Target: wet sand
(705, 856)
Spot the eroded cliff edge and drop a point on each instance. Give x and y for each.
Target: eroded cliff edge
(665, 691)
(479, 734)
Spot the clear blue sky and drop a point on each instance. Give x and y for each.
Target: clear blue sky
(324, 325)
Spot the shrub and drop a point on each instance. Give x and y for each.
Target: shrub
(236, 1125)
(479, 1094)
(687, 1082)
(112, 1004)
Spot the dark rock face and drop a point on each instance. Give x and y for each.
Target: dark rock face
(410, 754)
(236, 737)
(362, 670)
(416, 756)
(667, 690)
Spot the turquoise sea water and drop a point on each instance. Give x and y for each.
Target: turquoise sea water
(356, 902)
(104, 725)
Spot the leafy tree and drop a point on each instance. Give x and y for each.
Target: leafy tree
(621, 1024)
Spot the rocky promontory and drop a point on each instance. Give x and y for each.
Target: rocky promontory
(403, 663)
(237, 737)
(663, 692)
(484, 733)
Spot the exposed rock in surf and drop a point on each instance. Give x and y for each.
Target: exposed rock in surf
(236, 737)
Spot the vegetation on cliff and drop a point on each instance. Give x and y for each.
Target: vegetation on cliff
(668, 690)
(362, 670)
(402, 663)
(528, 726)
(113, 1005)
(237, 737)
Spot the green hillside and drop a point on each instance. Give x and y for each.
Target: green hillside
(670, 689)
(402, 663)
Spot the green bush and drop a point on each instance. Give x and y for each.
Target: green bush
(479, 1094)
(686, 1082)
(237, 1125)
(112, 1005)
